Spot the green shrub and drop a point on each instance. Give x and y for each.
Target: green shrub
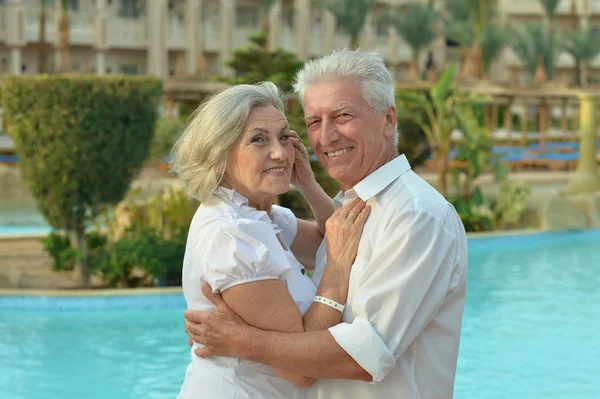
(80, 140)
(144, 250)
(64, 256)
(511, 203)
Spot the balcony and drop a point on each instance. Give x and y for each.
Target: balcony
(127, 33)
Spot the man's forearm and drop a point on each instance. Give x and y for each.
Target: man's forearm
(313, 354)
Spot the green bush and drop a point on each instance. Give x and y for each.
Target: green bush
(511, 203)
(80, 140)
(63, 254)
(144, 250)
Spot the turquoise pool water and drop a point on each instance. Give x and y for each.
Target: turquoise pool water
(529, 331)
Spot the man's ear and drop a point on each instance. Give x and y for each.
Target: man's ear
(390, 121)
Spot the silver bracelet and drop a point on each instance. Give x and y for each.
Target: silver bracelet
(330, 302)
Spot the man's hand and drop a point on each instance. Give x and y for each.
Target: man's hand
(219, 331)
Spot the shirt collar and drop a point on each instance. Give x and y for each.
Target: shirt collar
(246, 211)
(232, 195)
(374, 183)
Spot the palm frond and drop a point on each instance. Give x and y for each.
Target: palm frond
(549, 7)
(350, 14)
(415, 25)
(534, 40)
(495, 38)
(583, 45)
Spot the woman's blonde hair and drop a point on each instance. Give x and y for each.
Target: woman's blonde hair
(200, 154)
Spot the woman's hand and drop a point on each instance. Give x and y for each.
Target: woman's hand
(344, 230)
(302, 174)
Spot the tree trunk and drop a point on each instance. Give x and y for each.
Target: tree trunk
(582, 75)
(65, 54)
(540, 72)
(42, 42)
(82, 261)
(414, 67)
(442, 171)
(475, 62)
(464, 63)
(354, 41)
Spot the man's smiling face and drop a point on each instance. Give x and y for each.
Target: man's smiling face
(350, 139)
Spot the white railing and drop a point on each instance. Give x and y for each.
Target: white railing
(127, 32)
(81, 25)
(176, 34)
(287, 39)
(211, 37)
(240, 36)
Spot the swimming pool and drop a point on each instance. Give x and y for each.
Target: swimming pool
(529, 331)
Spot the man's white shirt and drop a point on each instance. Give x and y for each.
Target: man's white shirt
(407, 290)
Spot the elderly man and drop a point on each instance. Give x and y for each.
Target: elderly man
(400, 332)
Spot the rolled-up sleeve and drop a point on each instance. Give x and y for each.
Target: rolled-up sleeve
(401, 288)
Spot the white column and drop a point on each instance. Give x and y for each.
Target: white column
(302, 27)
(15, 35)
(367, 36)
(193, 45)
(100, 36)
(275, 25)
(227, 16)
(157, 35)
(330, 24)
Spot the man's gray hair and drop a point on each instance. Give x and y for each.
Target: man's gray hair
(200, 154)
(366, 67)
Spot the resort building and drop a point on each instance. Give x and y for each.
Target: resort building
(177, 37)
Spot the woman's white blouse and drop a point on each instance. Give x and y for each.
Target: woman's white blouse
(231, 243)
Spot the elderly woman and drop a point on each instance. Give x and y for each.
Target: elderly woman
(235, 156)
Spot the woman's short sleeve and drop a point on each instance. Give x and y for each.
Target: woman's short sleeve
(287, 222)
(243, 251)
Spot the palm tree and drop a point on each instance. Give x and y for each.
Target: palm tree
(415, 25)
(350, 14)
(495, 39)
(42, 36)
(549, 7)
(469, 23)
(584, 47)
(63, 43)
(538, 49)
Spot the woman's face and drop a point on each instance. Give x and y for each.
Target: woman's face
(259, 165)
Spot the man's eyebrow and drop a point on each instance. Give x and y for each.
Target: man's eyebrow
(336, 109)
(341, 107)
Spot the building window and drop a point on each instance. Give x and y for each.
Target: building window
(129, 69)
(131, 8)
(246, 16)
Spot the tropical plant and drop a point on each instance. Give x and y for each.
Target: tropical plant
(538, 49)
(550, 7)
(438, 112)
(511, 203)
(584, 46)
(415, 25)
(350, 14)
(81, 140)
(254, 64)
(469, 22)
